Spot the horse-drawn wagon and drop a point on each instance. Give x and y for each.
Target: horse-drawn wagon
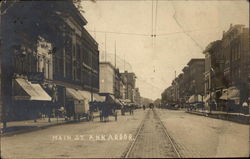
(77, 104)
(109, 108)
(127, 106)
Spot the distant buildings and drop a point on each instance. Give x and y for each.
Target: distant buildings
(137, 96)
(130, 79)
(222, 77)
(120, 85)
(188, 84)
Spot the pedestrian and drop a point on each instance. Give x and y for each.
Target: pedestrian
(144, 107)
(245, 108)
(244, 104)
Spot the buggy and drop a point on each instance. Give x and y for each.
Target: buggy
(107, 109)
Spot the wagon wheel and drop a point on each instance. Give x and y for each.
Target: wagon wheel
(123, 111)
(78, 117)
(91, 116)
(101, 116)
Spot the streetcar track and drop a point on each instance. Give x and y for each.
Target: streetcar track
(136, 137)
(174, 145)
(139, 132)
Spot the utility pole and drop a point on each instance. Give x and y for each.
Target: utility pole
(92, 71)
(175, 88)
(115, 54)
(4, 70)
(94, 33)
(1, 76)
(124, 63)
(105, 47)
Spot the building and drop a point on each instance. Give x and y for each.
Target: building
(227, 63)
(108, 76)
(130, 79)
(188, 87)
(137, 98)
(235, 49)
(175, 95)
(196, 78)
(122, 88)
(180, 90)
(186, 83)
(48, 59)
(167, 96)
(214, 68)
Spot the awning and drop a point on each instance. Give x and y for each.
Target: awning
(74, 94)
(207, 98)
(125, 100)
(118, 102)
(231, 93)
(191, 99)
(195, 98)
(25, 90)
(99, 98)
(110, 98)
(85, 94)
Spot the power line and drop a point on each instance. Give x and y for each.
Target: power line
(156, 7)
(185, 31)
(152, 22)
(160, 34)
(143, 80)
(124, 33)
(178, 23)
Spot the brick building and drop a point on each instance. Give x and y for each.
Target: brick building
(51, 56)
(227, 68)
(130, 79)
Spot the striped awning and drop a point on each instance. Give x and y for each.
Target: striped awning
(25, 90)
(231, 93)
(99, 98)
(73, 93)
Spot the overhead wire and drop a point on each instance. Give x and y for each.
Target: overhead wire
(113, 32)
(155, 26)
(152, 22)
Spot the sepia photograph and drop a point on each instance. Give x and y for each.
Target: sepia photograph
(124, 79)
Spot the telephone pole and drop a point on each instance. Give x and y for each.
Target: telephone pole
(2, 76)
(5, 61)
(105, 47)
(115, 54)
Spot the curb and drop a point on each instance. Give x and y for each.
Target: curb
(34, 129)
(216, 116)
(40, 128)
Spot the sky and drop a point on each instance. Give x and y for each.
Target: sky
(183, 29)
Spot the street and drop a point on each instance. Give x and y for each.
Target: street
(195, 136)
(198, 136)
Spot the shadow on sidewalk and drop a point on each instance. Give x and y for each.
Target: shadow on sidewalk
(16, 128)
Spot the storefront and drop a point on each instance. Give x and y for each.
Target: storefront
(30, 100)
(231, 93)
(78, 101)
(231, 98)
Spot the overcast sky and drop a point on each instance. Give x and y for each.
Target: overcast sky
(183, 29)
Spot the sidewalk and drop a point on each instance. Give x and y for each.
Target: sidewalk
(17, 127)
(234, 117)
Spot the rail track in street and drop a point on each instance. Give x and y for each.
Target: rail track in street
(152, 140)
